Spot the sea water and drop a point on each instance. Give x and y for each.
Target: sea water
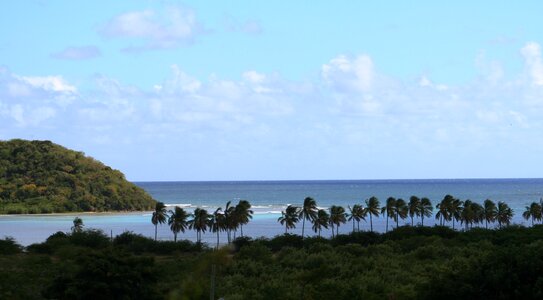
(269, 198)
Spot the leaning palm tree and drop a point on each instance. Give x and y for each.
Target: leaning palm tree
(425, 209)
(489, 211)
(401, 210)
(308, 212)
(322, 221)
(388, 210)
(372, 209)
(217, 223)
(78, 225)
(413, 207)
(178, 221)
(159, 216)
(533, 212)
(356, 213)
(337, 217)
(289, 217)
(243, 213)
(199, 222)
(504, 215)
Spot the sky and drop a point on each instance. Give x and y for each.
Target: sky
(277, 90)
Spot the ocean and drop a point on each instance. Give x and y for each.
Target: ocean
(269, 198)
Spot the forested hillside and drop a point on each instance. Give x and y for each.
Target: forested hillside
(43, 177)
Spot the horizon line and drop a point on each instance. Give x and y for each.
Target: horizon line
(316, 180)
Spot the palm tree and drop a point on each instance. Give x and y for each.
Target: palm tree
(159, 216)
(388, 210)
(467, 215)
(78, 225)
(230, 220)
(372, 209)
(532, 212)
(217, 223)
(443, 209)
(199, 222)
(337, 217)
(478, 213)
(357, 213)
(178, 221)
(454, 210)
(243, 213)
(308, 212)
(322, 221)
(425, 208)
(413, 207)
(289, 217)
(504, 215)
(490, 212)
(401, 210)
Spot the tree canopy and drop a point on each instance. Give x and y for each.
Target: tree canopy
(43, 177)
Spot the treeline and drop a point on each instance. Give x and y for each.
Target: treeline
(449, 211)
(42, 177)
(405, 263)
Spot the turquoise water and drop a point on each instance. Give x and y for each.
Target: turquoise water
(270, 197)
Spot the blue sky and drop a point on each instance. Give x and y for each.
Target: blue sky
(245, 90)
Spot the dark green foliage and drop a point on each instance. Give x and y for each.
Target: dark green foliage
(42, 177)
(105, 275)
(137, 243)
(8, 245)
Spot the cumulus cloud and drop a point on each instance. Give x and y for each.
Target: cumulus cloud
(532, 56)
(49, 83)
(78, 53)
(346, 74)
(171, 28)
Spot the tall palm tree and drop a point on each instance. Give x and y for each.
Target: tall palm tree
(159, 216)
(199, 222)
(413, 207)
(425, 208)
(357, 213)
(372, 209)
(401, 210)
(322, 221)
(504, 215)
(308, 212)
(489, 211)
(478, 213)
(230, 220)
(443, 209)
(467, 215)
(388, 210)
(455, 209)
(78, 225)
(289, 217)
(178, 221)
(243, 213)
(218, 223)
(533, 212)
(337, 217)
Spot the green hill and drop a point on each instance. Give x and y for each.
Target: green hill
(43, 177)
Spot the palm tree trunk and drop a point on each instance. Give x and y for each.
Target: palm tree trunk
(337, 229)
(175, 237)
(241, 228)
(303, 227)
(422, 219)
(217, 239)
(397, 219)
(332, 230)
(358, 226)
(486, 223)
(411, 221)
(353, 225)
(371, 224)
(386, 230)
(286, 229)
(156, 228)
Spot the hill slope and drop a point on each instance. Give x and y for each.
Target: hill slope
(43, 177)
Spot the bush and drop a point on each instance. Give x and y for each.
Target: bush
(9, 246)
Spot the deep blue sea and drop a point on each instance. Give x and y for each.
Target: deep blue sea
(270, 197)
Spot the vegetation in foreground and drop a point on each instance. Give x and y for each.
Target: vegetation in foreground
(43, 177)
(405, 263)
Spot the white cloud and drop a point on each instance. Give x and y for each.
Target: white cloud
(532, 56)
(346, 74)
(172, 28)
(78, 53)
(49, 83)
